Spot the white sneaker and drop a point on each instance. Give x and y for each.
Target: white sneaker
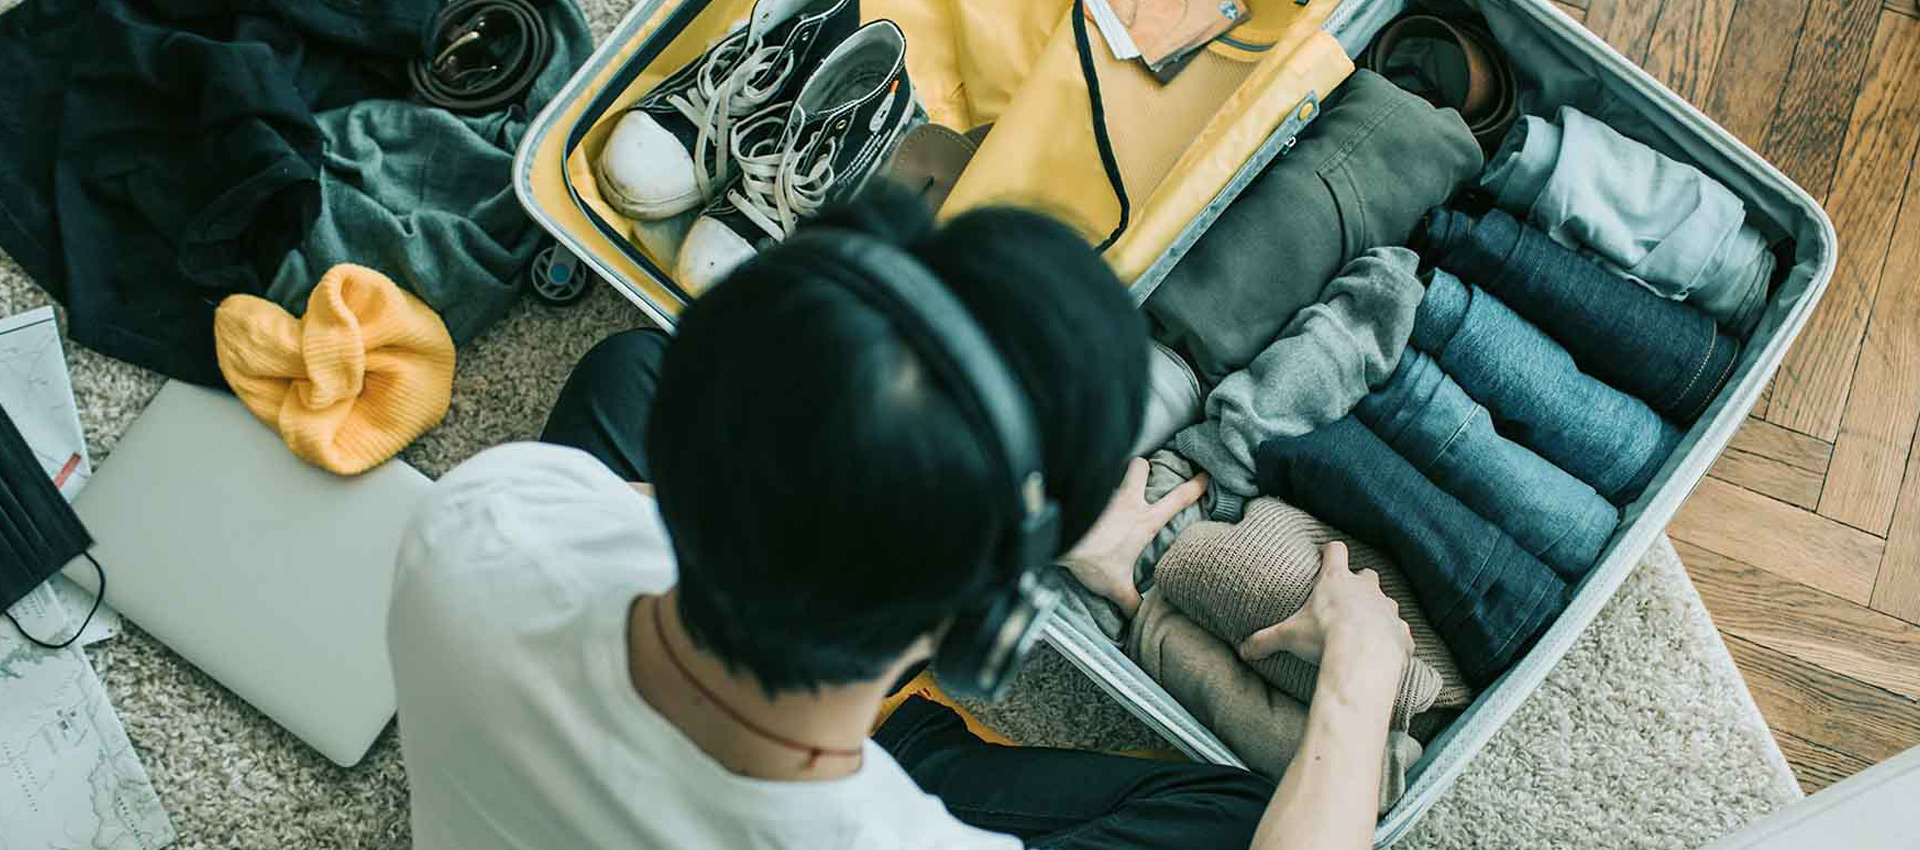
(796, 158)
(668, 154)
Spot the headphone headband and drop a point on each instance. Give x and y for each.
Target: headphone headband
(979, 652)
(941, 330)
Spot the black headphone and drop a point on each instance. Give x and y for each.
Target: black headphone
(987, 638)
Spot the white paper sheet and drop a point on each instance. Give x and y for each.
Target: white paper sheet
(36, 392)
(71, 779)
(38, 396)
(1118, 39)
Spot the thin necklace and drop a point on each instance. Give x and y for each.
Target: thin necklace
(813, 752)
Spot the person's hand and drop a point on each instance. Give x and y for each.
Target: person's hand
(1354, 632)
(1348, 626)
(1103, 559)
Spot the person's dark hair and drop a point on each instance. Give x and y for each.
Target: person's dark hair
(827, 500)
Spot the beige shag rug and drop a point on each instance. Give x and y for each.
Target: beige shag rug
(1643, 737)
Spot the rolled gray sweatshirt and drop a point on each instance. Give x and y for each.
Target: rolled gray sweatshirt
(1327, 358)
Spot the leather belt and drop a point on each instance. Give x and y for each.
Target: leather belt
(1491, 102)
(481, 55)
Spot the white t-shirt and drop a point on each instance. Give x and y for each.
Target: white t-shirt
(518, 722)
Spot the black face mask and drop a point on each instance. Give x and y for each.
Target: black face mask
(39, 532)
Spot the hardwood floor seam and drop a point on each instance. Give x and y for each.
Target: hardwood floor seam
(1817, 766)
(1805, 622)
(1896, 700)
(1768, 477)
(1896, 586)
(1824, 707)
(1822, 192)
(1876, 158)
(1757, 529)
(1802, 433)
(1800, 451)
(1862, 497)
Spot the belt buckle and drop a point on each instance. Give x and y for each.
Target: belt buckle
(480, 55)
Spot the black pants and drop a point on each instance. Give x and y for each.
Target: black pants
(1048, 798)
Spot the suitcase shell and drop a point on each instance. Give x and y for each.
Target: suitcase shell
(1569, 64)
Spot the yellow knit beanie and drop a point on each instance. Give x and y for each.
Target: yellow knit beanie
(365, 372)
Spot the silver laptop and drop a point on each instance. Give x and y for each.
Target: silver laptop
(269, 574)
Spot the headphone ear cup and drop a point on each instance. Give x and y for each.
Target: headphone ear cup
(959, 662)
(985, 643)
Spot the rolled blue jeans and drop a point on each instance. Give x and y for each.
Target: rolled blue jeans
(1486, 597)
(1667, 353)
(1537, 396)
(1666, 224)
(1425, 417)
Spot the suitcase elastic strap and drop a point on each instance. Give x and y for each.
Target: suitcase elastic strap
(1099, 109)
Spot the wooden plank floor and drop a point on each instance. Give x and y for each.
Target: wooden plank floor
(1805, 539)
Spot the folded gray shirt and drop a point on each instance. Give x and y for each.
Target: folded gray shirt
(1361, 176)
(1658, 221)
(1327, 358)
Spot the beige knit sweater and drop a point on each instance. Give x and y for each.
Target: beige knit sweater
(1235, 579)
(1260, 723)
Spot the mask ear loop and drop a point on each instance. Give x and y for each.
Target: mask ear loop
(97, 597)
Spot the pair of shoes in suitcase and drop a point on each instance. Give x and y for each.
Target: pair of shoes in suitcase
(793, 110)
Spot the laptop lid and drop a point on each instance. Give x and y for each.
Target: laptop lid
(270, 575)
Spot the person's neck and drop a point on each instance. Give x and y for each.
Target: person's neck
(832, 720)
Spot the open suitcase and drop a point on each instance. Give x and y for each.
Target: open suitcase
(1562, 62)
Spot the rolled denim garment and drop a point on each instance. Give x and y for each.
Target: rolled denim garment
(1537, 396)
(1668, 354)
(1486, 597)
(1422, 414)
(1324, 361)
(1360, 177)
(1664, 223)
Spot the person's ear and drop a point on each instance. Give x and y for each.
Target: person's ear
(916, 655)
(922, 647)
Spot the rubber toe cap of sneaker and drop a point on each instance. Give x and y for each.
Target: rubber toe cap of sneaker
(644, 170)
(712, 251)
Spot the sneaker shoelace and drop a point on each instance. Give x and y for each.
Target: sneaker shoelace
(724, 90)
(778, 187)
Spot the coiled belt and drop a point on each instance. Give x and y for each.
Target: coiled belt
(481, 55)
(1490, 101)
